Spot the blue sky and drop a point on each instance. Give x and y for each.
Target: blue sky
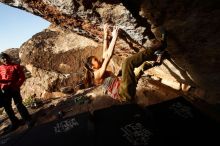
(17, 26)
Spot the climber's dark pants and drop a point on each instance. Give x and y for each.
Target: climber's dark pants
(127, 89)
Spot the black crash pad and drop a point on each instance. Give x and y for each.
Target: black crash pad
(76, 130)
(174, 122)
(180, 123)
(9, 140)
(124, 125)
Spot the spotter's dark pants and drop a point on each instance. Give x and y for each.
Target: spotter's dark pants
(6, 97)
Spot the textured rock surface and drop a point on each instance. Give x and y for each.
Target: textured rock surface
(54, 59)
(192, 27)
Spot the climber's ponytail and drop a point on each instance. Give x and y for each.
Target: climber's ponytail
(89, 75)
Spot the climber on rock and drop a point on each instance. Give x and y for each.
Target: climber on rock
(124, 88)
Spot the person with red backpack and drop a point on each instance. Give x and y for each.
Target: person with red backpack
(11, 79)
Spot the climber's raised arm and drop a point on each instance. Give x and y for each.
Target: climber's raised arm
(105, 40)
(109, 52)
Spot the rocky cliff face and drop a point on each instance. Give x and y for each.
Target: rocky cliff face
(192, 27)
